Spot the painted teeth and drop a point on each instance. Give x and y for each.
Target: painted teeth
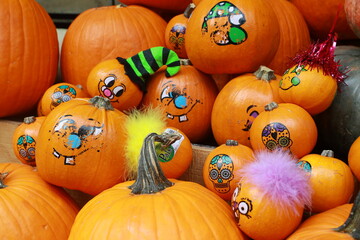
(70, 160)
(56, 154)
(183, 118)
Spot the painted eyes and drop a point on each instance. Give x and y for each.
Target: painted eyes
(109, 81)
(118, 91)
(224, 174)
(245, 207)
(237, 19)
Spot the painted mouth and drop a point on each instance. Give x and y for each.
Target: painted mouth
(68, 160)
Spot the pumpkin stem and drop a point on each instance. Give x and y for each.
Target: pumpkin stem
(120, 5)
(2, 178)
(271, 106)
(265, 73)
(352, 224)
(328, 153)
(231, 142)
(101, 102)
(185, 62)
(150, 177)
(29, 120)
(190, 8)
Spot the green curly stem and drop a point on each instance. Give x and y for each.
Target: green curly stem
(2, 178)
(352, 224)
(101, 102)
(150, 177)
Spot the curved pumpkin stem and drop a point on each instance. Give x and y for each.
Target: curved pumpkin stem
(2, 178)
(352, 224)
(150, 177)
(188, 11)
(265, 73)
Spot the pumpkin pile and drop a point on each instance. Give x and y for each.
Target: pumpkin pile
(268, 85)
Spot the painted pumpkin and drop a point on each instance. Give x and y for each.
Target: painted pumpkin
(32, 208)
(353, 158)
(58, 94)
(140, 204)
(175, 32)
(186, 99)
(103, 33)
(80, 145)
(25, 137)
(271, 196)
(352, 14)
(221, 164)
(331, 180)
(240, 101)
(30, 51)
(224, 37)
(337, 223)
(286, 126)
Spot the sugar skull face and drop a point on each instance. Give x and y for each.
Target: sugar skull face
(221, 169)
(223, 24)
(74, 139)
(26, 148)
(111, 88)
(62, 93)
(177, 36)
(291, 77)
(176, 101)
(241, 206)
(276, 135)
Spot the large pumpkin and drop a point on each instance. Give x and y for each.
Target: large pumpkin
(106, 33)
(32, 208)
(173, 5)
(240, 101)
(80, 145)
(154, 207)
(338, 125)
(29, 55)
(224, 37)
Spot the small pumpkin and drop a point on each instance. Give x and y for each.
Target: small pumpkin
(57, 94)
(186, 99)
(80, 145)
(154, 207)
(32, 208)
(271, 196)
(221, 164)
(341, 222)
(240, 101)
(25, 137)
(331, 180)
(353, 158)
(286, 126)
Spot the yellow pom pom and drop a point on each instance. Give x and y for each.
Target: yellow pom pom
(138, 125)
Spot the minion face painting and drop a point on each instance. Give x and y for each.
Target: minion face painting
(223, 24)
(241, 205)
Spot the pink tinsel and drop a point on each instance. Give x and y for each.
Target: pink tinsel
(276, 174)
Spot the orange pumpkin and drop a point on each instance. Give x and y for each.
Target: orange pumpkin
(186, 99)
(154, 207)
(80, 145)
(352, 13)
(29, 49)
(220, 166)
(175, 32)
(103, 33)
(31, 208)
(331, 179)
(58, 94)
(240, 101)
(224, 37)
(24, 139)
(353, 158)
(337, 223)
(174, 5)
(286, 126)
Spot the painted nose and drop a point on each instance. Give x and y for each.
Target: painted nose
(180, 102)
(74, 141)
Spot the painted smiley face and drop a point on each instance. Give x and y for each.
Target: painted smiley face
(111, 88)
(291, 77)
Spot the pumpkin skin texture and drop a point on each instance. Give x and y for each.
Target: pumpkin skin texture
(215, 43)
(58, 94)
(108, 79)
(294, 34)
(30, 51)
(172, 203)
(331, 179)
(352, 13)
(287, 126)
(221, 164)
(240, 101)
(31, 208)
(24, 139)
(80, 146)
(353, 158)
(308, 87)
(126, 30)
(186, 98)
